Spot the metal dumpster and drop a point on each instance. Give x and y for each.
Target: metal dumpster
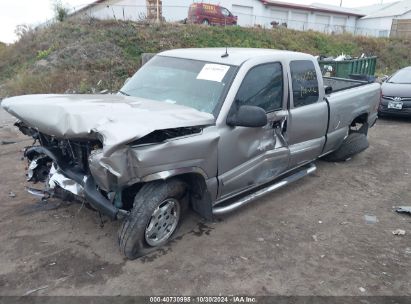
(343, 69)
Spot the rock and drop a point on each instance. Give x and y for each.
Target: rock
(42, 63)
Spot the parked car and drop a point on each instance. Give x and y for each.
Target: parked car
(396, 94)
(210, 14)
(212, 129)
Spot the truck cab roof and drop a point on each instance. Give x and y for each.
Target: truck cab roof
(236, 56)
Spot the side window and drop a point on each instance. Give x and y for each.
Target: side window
(305, 83)
(262, 87)
(225, 12)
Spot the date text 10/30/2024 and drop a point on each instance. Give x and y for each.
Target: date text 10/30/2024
(203, 299)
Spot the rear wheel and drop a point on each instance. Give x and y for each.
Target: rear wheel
(355, 142)
(156, 214)
(205, 22)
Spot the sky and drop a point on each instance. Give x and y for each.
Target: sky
(34, 12)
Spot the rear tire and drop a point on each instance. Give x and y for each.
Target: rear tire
(155, 217)
(355, 143)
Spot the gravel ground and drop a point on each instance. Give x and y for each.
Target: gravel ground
(310, 238)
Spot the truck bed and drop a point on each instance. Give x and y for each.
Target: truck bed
(352, 99)
(341, 84)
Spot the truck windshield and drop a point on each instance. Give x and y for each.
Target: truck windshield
(192, 83)
(401, 77)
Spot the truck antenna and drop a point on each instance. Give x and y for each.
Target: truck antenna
(225, 54)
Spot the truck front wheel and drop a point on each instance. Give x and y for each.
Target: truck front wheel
(156, 214)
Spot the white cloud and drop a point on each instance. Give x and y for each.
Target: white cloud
(13, 13)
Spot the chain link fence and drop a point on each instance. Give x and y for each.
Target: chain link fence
(180, 13)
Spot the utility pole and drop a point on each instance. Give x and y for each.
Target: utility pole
(341, 2)
(158, 12)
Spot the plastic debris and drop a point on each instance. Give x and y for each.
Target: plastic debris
(404, 209)
(370, 219)
(399, 232)
(12, 194)
(90, 274)
(362, 289)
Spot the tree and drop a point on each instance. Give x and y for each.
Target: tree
(22, 30)
(60, 10)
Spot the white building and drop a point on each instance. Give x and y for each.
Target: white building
(249, 12)
(380, 17)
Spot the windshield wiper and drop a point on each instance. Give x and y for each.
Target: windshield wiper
(121, 92)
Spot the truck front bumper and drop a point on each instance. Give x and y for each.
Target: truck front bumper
(75, 173)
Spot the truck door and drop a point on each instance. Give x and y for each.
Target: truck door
(308, 113)
(252, 156)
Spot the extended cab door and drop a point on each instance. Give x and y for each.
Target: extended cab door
(308, 113)
(252, 156)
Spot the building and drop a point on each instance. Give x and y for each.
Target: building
(380, 17)
(262, 13)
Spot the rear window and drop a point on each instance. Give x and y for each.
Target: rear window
(305, 83)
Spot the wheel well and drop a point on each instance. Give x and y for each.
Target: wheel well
(199, 197)
(361, 120)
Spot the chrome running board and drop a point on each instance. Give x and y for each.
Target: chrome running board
(304, 171)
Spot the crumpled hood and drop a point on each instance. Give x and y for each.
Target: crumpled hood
(118, 119)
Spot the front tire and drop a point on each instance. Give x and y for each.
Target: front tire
(155, 217)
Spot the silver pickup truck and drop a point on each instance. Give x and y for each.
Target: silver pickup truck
(210, 129)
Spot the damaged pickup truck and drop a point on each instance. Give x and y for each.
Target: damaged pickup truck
(209, 129)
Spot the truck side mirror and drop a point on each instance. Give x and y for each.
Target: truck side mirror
(248, 116)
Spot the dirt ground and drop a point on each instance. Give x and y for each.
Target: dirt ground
(310, 238)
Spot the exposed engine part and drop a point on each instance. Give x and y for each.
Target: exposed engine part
(27, 130)
(77, 175)
(56, 178)
(38, 169)
(37, 192)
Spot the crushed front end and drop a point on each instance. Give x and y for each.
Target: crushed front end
(63, 166)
